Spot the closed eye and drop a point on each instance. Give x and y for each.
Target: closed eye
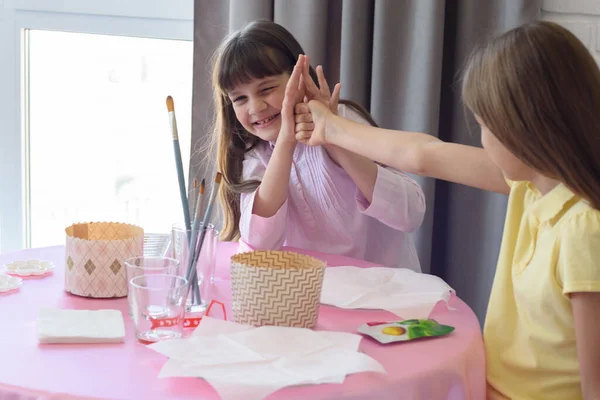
(238, 99)
(268, 89)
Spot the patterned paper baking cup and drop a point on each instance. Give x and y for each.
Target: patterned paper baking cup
(94, 255)
(278, 288)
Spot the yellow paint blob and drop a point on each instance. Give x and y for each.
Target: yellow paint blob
(393, 330)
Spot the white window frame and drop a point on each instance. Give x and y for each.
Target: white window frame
(164, 19)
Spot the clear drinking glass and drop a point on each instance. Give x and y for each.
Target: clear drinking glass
(136, 266)
(204, 263)
(158, 305)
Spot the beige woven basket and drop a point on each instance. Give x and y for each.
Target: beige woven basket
(276, 288)
(95, 253)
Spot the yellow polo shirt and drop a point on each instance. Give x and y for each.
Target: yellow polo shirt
(550, 248)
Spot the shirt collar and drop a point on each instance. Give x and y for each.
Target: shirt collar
(548, 206)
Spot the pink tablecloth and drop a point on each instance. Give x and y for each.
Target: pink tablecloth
(451, 367)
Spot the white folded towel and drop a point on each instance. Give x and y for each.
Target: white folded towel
(80, 326)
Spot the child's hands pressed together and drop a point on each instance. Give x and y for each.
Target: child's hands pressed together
(311, 121)
(294, 94)
(320, 93)
(319, 103)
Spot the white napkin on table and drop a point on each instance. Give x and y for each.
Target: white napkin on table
(80, 326)
(404, 292)
(244, 362)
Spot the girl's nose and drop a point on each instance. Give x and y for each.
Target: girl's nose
(257, 105)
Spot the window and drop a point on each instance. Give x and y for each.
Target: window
(87, 135)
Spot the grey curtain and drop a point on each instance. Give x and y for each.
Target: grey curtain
(401, 59)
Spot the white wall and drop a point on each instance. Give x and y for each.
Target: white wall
(582, 17)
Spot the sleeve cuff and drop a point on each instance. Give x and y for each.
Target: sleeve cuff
(384, 194)
(583, 286)
(398, 201)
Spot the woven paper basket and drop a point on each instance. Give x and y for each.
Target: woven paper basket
(276, 288)
(95, 255)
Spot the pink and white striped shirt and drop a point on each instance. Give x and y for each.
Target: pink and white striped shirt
(326, 212)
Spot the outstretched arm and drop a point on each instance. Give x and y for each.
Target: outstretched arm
(413, 152)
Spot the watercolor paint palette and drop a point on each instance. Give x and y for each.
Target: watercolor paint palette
(398, 331)
(29, 267)
(9, 283)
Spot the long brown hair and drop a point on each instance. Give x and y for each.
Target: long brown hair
(537, 88)
(259, 50)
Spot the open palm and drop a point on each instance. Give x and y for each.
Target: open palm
(320, 93)
(294, 94)
(319, 104)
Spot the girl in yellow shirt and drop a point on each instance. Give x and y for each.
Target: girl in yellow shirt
(535, 92)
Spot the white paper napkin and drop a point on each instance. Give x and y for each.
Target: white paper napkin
(80, 326)
(244, 362)
(404, 292)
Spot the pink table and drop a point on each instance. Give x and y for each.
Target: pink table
(451, 367)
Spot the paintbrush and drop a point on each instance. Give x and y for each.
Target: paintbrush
(191, 273)
(193, 242)
(179, 165)
(193, 198)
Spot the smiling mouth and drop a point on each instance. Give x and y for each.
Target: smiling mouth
(266, 120)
